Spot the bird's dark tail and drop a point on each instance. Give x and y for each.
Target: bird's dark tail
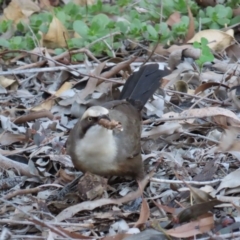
(141, 85)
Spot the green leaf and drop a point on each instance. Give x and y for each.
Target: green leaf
(101, 19)
(75, 43)
(81, 28)
(135, 24)
(17, 40)
(201, 14)
(214, 26)
(62, 17)
(229, 13)
(151, 30)
(206, 20)
(28, 43)
(4, 43)
(58, 51)
(235, 20)
(209, 11)
(163, 28)
(20, 27)
(197, 45)
(223, 21)
(44, 28)
(123, 26)
(204, 41)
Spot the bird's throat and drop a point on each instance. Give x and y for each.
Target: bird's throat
(97, 145)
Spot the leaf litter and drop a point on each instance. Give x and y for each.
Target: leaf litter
(190, 144)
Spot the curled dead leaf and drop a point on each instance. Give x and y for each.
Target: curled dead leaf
(218, 40)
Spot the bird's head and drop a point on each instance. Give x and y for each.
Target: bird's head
(94, 116)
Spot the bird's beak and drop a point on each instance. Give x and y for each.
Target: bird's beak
(107, 123)
(105, 117)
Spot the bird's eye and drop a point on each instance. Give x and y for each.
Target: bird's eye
(90, 119)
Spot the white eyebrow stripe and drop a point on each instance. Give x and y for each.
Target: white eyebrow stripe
(95, 111)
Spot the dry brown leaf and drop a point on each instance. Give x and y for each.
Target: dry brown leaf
(46, 105)
(191, 26)
(9, 138)
(229, 140)
(174, 18)
(47, 4)
(159, 50)
(221, 116)
(66, 86)
(236, 11)
(91, 186)
(90, 205)
(64, 160)
(167, 128)
(144, 213)
(56, 36)
(204, 224)
(232, 180)
(20, 9)
(6, 82)
(218, 40)
(208, 85)
(84, 2)
(199, 195)
(119, 236)
(92, 82)
(175, 58)
(233, 52)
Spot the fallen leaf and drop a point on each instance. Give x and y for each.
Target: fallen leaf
(57, 34)
(144, 213)
(174, 18)
(204, 224)
(218, 41)
(20, 9)
(232, 180)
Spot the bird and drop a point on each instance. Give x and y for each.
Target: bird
(106, 140)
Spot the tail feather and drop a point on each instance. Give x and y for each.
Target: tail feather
(141, 85)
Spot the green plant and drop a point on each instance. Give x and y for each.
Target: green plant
(5, 25)
(233, 3)
(145, 20)
(206, 54)
(216, 17)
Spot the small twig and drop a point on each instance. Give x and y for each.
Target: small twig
(36, 220)
(145, 48)
(31, 237)
(102, 38)
(167, 119)
(29, 190)
(194, 96)
(22, 192)
(7, 163)
(34, 36)
(110, 48)
(58, 68)
(33, 116)
(190, 182)
(65, 224)
(201, 136)
(83, 74)
(231, 235)
(201, 99)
